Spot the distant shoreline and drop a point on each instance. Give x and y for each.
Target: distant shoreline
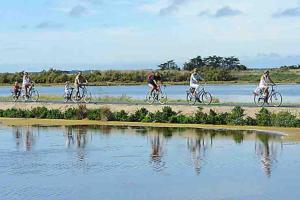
(166, 83)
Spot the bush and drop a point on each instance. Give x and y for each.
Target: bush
(165, 115)
(263, 118)
(40, 112)
(236, 117)
(70, 113)
(139, 115)
(200, 117)
(103, 114)
(285, 119)
(121, 116)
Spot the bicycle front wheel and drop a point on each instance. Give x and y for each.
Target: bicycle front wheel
(276, 99)
(87, 98)
(162, 98)
(259, 100)
(206, 98)
(34, 96)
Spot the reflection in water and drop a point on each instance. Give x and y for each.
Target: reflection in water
(25, 137)
(77, 136)
(198, 142)
(268, 153)
(197, 147)
(158, 148)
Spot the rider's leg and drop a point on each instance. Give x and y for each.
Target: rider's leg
(77, 90)
(152, 88)
(267, 94)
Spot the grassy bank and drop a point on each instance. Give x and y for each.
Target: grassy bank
(236, 117)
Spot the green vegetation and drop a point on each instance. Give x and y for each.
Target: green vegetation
(213, 69)
(166, 115)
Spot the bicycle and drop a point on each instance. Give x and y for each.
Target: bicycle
(68, 95)
(202, 96)
(274, 99)
(157, 96)
(85, 95)
(32, 94)
(16, 95)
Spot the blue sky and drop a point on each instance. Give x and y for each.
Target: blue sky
(129, 34)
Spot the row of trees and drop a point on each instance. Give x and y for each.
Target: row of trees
(228, 63)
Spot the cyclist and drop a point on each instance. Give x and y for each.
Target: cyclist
(154, 81)
(194, 81)
(26, 82)
(263, 84)
(68, 90)
(17, 89)
(80, 80)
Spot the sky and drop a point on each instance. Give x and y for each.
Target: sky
(132, 34)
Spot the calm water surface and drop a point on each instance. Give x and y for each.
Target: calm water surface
(75, 163)
(226, 93)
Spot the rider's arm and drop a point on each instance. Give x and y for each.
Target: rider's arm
(271, 81)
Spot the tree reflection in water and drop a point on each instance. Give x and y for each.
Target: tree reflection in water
(24, 136)
(267, 150)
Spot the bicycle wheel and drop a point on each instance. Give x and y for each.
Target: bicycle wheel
(75, 98)
(190, 98)
(14, 97)
(259, 100)
(162, 97)
(34, 95)
(206, 98)
(276, 99)
(149, 97)
(87, 97)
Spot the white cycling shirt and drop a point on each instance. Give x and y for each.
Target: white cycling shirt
(194, 80)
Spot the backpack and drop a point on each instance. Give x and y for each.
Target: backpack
(150, 76)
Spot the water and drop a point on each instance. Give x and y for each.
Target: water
(225, 93)
(145, 163)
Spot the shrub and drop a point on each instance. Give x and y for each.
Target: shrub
(121, 116)
(94, 114)
(181, 119)
(70, 113)
(236, 116)
(263, 118)
(200, 117)
(165, 115)
(139, 115)
(250, 121)
(55, 114)
(285, 119)
(40, 112)
(81, 112)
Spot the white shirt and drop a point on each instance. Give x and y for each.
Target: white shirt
(264, 81)
(195, 78)
(26, 80)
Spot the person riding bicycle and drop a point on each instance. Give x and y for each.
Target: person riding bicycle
(80, 81)
(194, 81)
(68, 89)
(26, 83)
(154, 81)
(263, 84)
(16, 89)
